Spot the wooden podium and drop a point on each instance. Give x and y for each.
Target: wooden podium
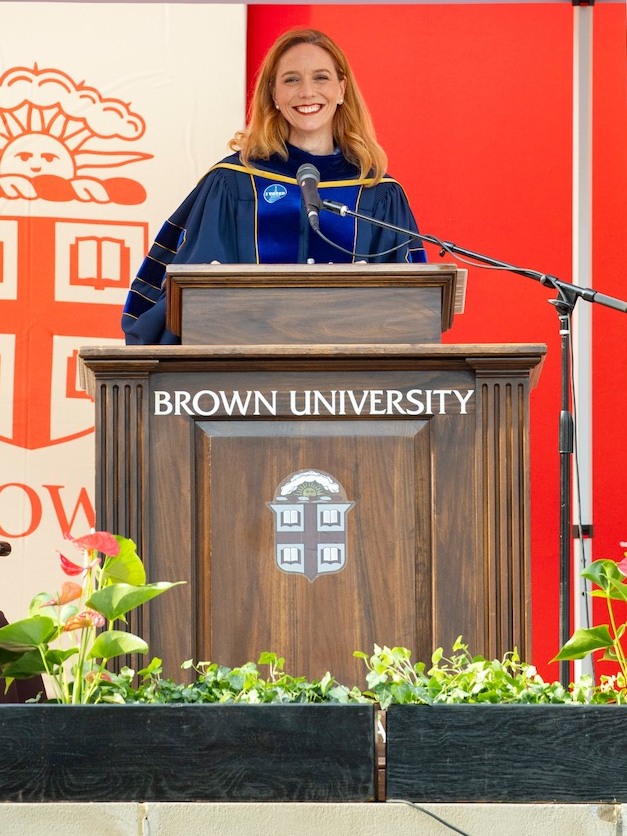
(322, 471)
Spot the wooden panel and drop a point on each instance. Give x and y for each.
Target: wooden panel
(216, 304)
(447, 492)
(506, 753)
(121, 424)
(503, 488)
(187, 753)
(248, 605)
(122, 432)
(292, 316)
(459, 607)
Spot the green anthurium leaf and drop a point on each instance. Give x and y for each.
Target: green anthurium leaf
(35, 606)
(7, 684)
(120, 598)
(617, 589)
(125, 544)
(7, 656)
(58, 657)
(602, 572)
(584, 641)
(114, 643)
(67, 612)
(28, 633)
(26, 665)
(125, 567)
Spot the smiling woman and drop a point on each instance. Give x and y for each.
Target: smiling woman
(306, 110)
(308, 90)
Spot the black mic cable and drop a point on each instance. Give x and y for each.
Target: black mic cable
(308, 178)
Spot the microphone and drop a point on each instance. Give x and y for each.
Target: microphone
(308, 178)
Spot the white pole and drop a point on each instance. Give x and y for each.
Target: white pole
(582, 317)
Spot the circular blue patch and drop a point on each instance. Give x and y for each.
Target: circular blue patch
(274, 192)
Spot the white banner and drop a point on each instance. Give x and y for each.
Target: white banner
(107, 121)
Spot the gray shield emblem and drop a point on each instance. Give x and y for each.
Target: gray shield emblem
(310, 508)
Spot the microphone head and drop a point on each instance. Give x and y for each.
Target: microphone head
(307, 171)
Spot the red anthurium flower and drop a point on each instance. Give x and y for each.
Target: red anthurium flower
(77, 622)
(70, 591)
(102, 541)
(103, 675)
(87, 618)
(69, 567)
(97, 618)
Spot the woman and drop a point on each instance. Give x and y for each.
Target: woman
(306, 108)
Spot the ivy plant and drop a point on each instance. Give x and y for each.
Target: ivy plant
(461, 678)
(214, 683)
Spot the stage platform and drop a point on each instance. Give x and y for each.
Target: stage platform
(393, 818)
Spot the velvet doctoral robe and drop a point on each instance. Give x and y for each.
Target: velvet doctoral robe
(255, 215)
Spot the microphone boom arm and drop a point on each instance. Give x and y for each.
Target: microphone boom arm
(567, 290)
(565, 303)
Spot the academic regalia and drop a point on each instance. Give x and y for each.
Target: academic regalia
(255, 215)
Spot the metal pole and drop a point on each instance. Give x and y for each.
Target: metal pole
(582, 317)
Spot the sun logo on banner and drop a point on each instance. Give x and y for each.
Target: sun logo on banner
(63, 278)
(54, 133)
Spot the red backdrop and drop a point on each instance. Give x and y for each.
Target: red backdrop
(473, 104)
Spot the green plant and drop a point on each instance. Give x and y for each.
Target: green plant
(220, 684)
(71, 636)
(462, 678)
(609, 580)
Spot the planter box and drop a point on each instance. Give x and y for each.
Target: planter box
(187, 753)
(539, 753)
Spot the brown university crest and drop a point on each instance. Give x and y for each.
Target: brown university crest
(310, 509)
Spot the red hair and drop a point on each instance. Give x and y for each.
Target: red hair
(267, 131)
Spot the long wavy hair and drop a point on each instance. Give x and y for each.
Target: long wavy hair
(267, 130)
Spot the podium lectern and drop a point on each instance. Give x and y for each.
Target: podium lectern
(319, 467)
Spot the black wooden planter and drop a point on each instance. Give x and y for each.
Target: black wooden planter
(512, 753)
(187, 753)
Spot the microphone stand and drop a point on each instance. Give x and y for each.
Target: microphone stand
(567, 296)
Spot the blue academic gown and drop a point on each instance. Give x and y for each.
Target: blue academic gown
(255, 215)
